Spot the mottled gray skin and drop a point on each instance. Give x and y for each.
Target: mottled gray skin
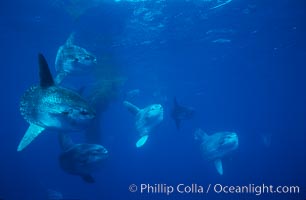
(217, 145)
(214, 147)
(48, 106)
(69, 55)
(56, 108)
(145, 119)
(81, 159)
(71, 58)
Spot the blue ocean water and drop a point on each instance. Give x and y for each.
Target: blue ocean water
(241, 65)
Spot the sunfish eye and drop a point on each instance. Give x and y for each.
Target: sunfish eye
(88, 57)
(153, 108)
(65, 112)
(84, 112)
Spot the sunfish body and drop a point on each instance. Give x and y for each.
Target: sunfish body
(180, 113)
(71, 58)
(48, 106)
(215, 147)
(146, 119)
(81, 159)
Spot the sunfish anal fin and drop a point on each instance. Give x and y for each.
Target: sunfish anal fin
(46, 79)
(131, 107)
(32, 132)
(218, 165)
(142, 141)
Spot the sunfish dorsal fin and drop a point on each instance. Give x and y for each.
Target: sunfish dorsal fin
(199, 134)
(70, 40)
(142, 141)
(64, 141)
(45, 76)
(131, 107)
(218, 165)
(32, 132)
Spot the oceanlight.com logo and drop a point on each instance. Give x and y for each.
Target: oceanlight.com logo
(146, 188)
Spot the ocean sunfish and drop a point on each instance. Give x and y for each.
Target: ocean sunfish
(180, 113)
(71, 58)
(146, 119)
(48, 106)
(81, 159)
(214, 147)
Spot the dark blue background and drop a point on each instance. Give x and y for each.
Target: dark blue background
(254, 85)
